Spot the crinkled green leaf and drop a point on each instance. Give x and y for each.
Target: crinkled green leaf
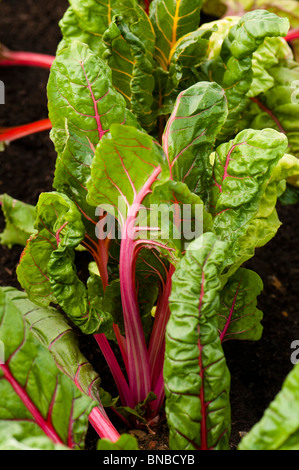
(190, 134)
(171, 20)
(183, 215)
(33, 390)
(47, 270)
(232, 69)
(186, 56)
(265, 57)
(196, 376)
(125, 160)
(19, 220)
(279, 427)
(54, 332)
(121, 33)
(25, 436)
(264, 226)
(238, 317)
(130, 56)
(290, 196)
(82, 106)
(278, 108)
(242, 170)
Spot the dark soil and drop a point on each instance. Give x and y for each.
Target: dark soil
(27, 168)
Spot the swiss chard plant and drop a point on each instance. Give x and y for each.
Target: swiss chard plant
(170, 161)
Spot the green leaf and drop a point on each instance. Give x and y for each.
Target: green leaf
(238, 316)
(125, 442)
(19, 220)
(186, 56)
(120, 33)
(232, 69)
(82, 106)
(290, 196)
(130, 56)
(172, 20)
(55, 333)
(242, 171)
(279, 427)
(125, 160)
(33, 392)
(267, 55)
(196, 376)
(47, 271)
(25, 436)
(278, 107)
(287, 9)
(190, 134)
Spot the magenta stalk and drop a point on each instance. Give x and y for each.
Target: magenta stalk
(293, 34)
(14, 133)
(31, 59)
(103, 426)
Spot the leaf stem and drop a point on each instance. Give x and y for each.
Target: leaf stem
(292, 34)
(8, 58)
(122, 386)
(103, 425)
(157, 340)
(44, 424)
(14, 133)
(137, 354)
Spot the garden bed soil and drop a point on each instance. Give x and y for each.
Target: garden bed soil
(27, 167)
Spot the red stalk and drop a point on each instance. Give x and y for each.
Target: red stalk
(122, 386)
(292, 34)
(14, 133)
(44, 424)
(102, 425)
(137, 354)
(157, 340)
(268, 111)
(30, 59)
(147, 6)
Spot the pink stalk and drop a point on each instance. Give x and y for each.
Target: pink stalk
(292, 34)
(30, 59)
(14, 133)
(137, 354)
(270, 113)
(102, 425)
(122, 386)
(44, 424)
(157, 340)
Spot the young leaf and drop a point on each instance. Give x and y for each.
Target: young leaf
(89, 104)
(196, 376)
(121, 33)
(47, 271)
(172, 20)
(186, 56)
(278, 429)
(33, 391)
(232, 69)
(278, 107)
(238, 316)
(190, 134)
(242, 170)
(264, 226)
(19, 219)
